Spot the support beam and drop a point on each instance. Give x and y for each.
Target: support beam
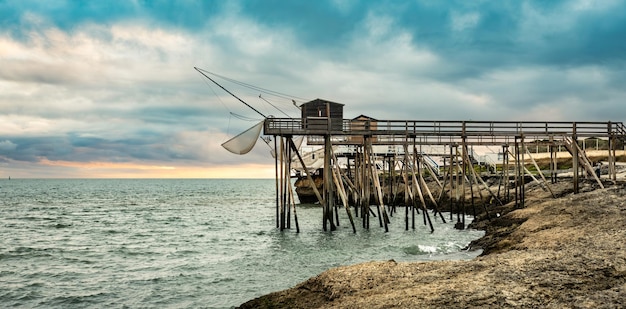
(329, 192)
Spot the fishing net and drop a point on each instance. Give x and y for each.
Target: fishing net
(245, 141)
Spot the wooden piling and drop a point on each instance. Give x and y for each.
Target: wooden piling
(507, 171)
(407, 189)
(612, 150)
(452, 165)
(574, 152)
(430, 195)
(382, 212)
(342, 194)
(416, 186)
(545, 182)
(553, 161)
(282, 187)
(276, 154)
(522, 178)
(456, 178)
(460, 215)
(328, 187)
(293, 204)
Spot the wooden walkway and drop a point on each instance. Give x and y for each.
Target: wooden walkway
(427, 132)
(363, 180)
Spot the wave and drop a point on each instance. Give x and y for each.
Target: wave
(74, 300)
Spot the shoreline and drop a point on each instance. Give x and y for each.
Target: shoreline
(563, 252)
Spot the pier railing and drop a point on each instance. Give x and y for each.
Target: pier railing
(437, 132)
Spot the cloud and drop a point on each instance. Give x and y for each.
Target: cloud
(113, 81)
(6, 146)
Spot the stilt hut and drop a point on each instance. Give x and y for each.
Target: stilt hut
(365, 124)
(322, 115)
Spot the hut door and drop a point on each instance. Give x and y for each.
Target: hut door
(323, 111)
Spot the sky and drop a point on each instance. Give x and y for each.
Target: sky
(108, 89)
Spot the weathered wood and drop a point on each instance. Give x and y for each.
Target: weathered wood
(293, 204)
(342, 194)
(328, 186)
(289, 195)
(308, 176)
(430, 195)
(476, 177)
(429, 133)
(383, 218)
(416, 186)
(408, 194)
(452, 183)
(461, 223)
(507, 187)
(587, 165)
(521, 177)
(282, 187)
(545, 182)
(579, 157)
(276, 150)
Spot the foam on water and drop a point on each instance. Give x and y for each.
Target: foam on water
(179, 243)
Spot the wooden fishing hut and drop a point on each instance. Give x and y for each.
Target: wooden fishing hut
(322, 115)
(363, 123)
(323, 124)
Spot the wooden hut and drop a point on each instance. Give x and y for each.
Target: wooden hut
(322, 115)
(362, 123)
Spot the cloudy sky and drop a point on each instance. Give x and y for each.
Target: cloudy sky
(108, 88)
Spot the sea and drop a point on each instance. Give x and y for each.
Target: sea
(181, 243)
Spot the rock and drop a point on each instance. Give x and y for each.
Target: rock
(555, 253)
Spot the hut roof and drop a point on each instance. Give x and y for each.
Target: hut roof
(320, 101)
(363, 117)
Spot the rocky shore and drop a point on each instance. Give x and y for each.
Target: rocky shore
(568, 252)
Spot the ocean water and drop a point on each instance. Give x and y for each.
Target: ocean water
(185, 243)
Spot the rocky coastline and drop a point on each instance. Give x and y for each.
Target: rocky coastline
(565, 252)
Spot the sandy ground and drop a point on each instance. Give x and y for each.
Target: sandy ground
(567, 252)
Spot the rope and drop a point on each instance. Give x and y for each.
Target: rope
(250, 86)
(274, 106)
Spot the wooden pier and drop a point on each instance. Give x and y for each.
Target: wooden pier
(323, 124)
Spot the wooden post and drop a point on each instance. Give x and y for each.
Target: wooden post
(502, 166)
(460, 215)
(342, 194)
(407, 189)
(276, 154)
(611, 155)
(522, 178)
(435, 204)
(289, 195)
(507, 187)
(416, 186)
(328, 186)
(391, 184)
(587, 166)
(320, 199)
(282, 187)
(365, 185)
(517, 173)
(452, 163)
(446, 170)
(575, 158)
(357, 181)
(382, 213)
(545, 182)
(553, 161)
(476, 178)
(293, 202)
